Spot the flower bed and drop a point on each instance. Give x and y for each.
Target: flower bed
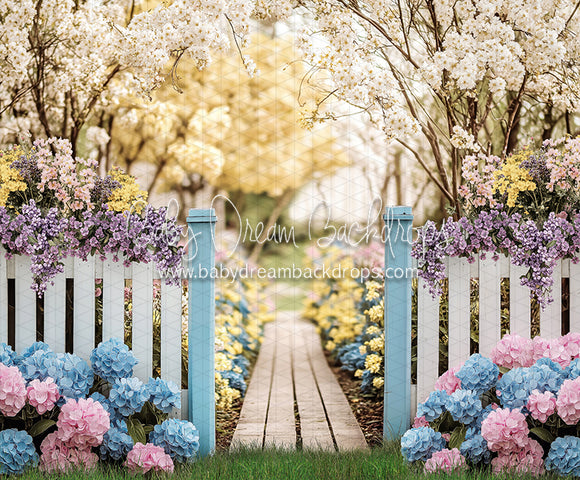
(349, 314)
(518, 411)
(60, 413)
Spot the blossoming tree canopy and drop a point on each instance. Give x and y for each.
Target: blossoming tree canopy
(463, 74)
(62, 59)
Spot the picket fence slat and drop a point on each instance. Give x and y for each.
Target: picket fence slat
(520, 309)
(3, 298)
(171, 332)
(489, 304)
(427, 342)
(54, 320)
(142, 291)
(25, 305)
(84, 307)
(550, 316)
(459, 310)
(113, 298)
(574, 297)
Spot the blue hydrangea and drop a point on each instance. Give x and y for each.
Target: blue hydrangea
(433, 406)
(478, 373)
(179, 439)
(112, 360)
(350, 358)
(366, 385)
(516, 385)
(564, 456)
(7, 355)
(28, 351)
(474, 449)
(116, 443)
(128, 395)
(163, 394)
(420, 443)
(38, 365)
(114, 416)
(572, 371)
(17, 452)
(546, 375)
(73, 375)
(482, 416)
(236, 380)
(242, 363)
(464, 406)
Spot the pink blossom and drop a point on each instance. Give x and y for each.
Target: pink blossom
(56, 456)
(420, 422)
(513, 351)
(446, 436)
(541, 405)
(43, 395)
(528, 460)
(82, 423)
(505, 430)
(143, 458)
(12, 390)
(541, 347)
(445, 461)
(568, 401)
(558, 352)
(571, 342)
(448, 381)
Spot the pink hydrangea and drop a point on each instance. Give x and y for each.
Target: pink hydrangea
(420, 422)
(56, 456)
(541, 405)
(445, 461)
(143, 458)
(541, 348)
(505, 430)
(513, 351)
(558, 352)
(446, 436)
(568, 401)
(12, 390)
(571, 342)
(43, 395)
(448, 381)
(82, 423)
(528, 460)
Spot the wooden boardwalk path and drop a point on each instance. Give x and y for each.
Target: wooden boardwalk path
(293, 397)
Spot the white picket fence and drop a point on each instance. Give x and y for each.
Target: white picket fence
(84, 275)
(490, 273)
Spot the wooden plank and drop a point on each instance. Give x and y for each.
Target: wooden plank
(3, 298)
(489, 305)
(142, 342)
(25, 331)
(84, 307)
(459, 310)
(427, 342)
(314, 428)
(171, 334)
(520, 316)
(280, 424)
(55, 314)
(113, 298)
(574, 297)
(551, 314)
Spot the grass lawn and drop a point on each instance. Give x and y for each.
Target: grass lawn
(377, 463)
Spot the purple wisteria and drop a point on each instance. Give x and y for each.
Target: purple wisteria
(536, 247)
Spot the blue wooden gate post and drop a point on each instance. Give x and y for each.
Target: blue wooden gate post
(201, 337)
(398, 278)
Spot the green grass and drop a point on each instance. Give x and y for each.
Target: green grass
(378, 463)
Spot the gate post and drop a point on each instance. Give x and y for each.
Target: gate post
(397, 319)
(201, 326)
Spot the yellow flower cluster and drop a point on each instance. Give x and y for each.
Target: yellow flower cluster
(10, 179)
(513, 179)
(376, 313)
(129, 197)
(224, 394)
(373, 363)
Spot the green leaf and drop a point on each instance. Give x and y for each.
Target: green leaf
(542, 434)
(504, 370)
(457, 437)
(136, 431)
(41, 427)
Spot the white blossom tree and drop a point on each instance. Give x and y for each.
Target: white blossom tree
(456, 75)
(63, 60)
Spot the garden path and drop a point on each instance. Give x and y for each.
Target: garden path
(293, 398)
